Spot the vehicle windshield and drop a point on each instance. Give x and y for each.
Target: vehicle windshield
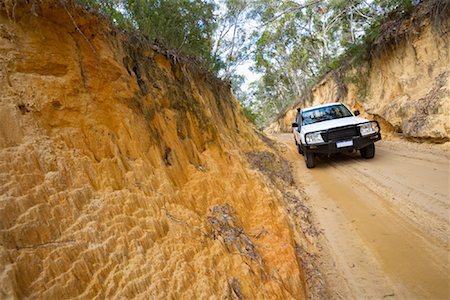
(325, 113)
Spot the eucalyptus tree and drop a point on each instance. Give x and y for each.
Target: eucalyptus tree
(300, 40)
(232, 45)
(183, 25)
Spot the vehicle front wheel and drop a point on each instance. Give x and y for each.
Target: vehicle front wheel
(368, 151)
(300, 149)
(310, 160)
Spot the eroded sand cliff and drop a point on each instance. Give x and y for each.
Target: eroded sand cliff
(123, 174)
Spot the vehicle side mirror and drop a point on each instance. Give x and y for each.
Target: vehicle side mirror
(356, 113)
(294, 125)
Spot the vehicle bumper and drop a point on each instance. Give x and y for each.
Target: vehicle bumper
(331, 147)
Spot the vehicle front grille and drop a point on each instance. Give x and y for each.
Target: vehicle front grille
(340, 133)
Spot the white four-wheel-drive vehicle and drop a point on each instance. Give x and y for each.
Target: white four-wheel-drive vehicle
(333, 128)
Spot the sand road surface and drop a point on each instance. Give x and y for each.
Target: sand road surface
(385, 221)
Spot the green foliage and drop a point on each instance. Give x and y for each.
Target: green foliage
(183, 25)
(233, 42)
(111, 9)
(250, 114)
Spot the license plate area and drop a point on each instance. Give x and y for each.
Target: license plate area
(346, 143)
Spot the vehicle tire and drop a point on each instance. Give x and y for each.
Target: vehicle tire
(310, 160)
(300, 149)
(368, 152)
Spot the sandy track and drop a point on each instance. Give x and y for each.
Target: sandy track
(385, 221)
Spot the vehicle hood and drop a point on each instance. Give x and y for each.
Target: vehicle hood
(324, 125)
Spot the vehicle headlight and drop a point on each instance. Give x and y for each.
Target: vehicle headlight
(366, 129)
(314, 138)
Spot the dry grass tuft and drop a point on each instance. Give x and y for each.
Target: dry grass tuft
(227, 228)
(399, 26)
(271, 165)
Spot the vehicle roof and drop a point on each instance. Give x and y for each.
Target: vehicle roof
(320, 106)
